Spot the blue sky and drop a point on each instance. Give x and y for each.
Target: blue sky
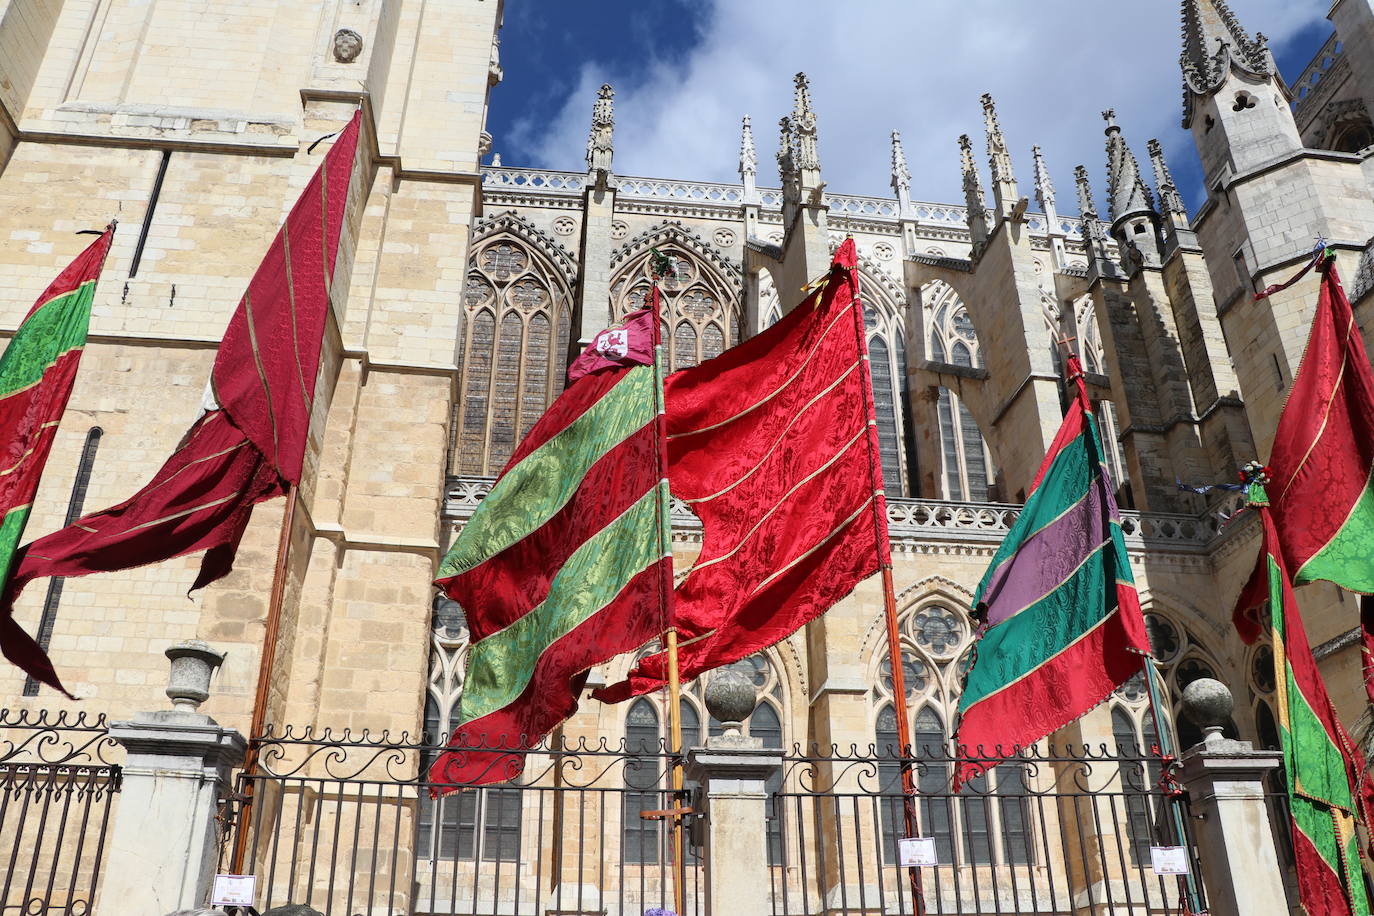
(686, 70)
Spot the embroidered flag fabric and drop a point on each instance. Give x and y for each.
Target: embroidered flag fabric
(1321, 767)
(560, 568)
(251, 447)
(37, 372)
(629, 343)
(1322, 462)
(773, 445)
(1063, 626)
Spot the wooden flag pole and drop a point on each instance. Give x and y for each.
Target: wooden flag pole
(665, 592)
(894, 640)
(265, 666)
(1167, 753)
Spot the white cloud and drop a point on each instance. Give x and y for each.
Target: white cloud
(918, 66)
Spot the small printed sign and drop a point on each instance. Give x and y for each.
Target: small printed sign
(917, 851)
(1169, 860)
(233, 890)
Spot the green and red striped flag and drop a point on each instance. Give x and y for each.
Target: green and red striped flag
(566, 563)
(1321, 766)
(37, 372)
(1322, 462)
(1062, 626)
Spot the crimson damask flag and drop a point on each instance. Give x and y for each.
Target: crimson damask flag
(773, 444)
(1063, 622)
(564, 565)
(37, 372)
(252, 445)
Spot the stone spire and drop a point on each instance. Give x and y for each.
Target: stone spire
(973, 196)
(1004, 192)
(1094, 232)
(787, 158)
(1044, 189)
(748, 161)
(1127, 194)
(599, 141)
(1213, 42)
(804, 133)
(901, 176)
(1170, 201)
(1044, 194)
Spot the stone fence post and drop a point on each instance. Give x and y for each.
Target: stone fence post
(164, 842)
(1225, 780)
(732, 770)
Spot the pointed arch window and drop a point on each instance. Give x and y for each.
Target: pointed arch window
(513, 351)
(991, 817)
(701, 309)
(968, 472)
(1094, 357)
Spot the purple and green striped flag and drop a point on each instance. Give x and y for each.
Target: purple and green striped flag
(37, 372)
(1323, 771)
(1062, 624)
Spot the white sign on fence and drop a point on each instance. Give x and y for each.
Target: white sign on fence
(233, 890)
(917, 851)
(1169, 860)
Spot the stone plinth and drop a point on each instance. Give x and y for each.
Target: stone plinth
(732, 771)
(165, 838)
(1233, 828)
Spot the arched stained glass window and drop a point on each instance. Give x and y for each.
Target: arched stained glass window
(968, 472)
(513, 352)
(702, 309)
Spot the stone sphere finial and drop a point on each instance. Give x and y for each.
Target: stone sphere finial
(192, 663)
(730, 697)
(1208, 703)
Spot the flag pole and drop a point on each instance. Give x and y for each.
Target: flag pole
(265, 666)
(894, 642)
(1167, 753)
(665, 591)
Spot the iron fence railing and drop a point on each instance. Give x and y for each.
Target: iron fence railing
(1062, 831)
(351, 824)
(58, 785)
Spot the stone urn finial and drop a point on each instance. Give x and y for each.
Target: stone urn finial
(1208, 703)
(192, 663)
(730, 698)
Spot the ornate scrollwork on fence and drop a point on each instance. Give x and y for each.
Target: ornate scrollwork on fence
(46, 737)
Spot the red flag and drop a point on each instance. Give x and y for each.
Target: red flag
(249, 448)
(37, 372)
(630, 343)
(773, 445)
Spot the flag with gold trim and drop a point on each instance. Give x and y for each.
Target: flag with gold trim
(1321, 766)
(565, 563)
(37, 372)
(251, 446)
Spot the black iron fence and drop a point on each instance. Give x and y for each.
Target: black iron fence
(350, 824)
(58, 785)
(1070, 830)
